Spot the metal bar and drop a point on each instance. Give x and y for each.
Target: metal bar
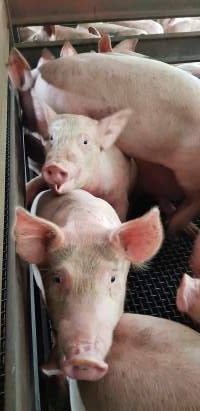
(37, 12)
(18, 371)
(181, 47)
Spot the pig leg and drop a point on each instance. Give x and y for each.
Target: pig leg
(34, 187)
(169, 209)
(189, 208)
(188, 297)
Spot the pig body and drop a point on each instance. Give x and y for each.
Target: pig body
(145, 360)
(83, 254)
(52, 33)
(112, 28)
(177, 25)
(150, 26)
(188, 297)
(164, 126)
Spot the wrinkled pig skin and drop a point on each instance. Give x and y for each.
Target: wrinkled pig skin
(153, 365)
(188, 297)
(84, 253)
(80, 153)
(164, 125)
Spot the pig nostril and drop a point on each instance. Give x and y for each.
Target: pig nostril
(49, 172)
(63, 173)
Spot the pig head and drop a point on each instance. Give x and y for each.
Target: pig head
(84, 260)
(80, 153)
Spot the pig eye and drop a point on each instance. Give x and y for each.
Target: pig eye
(113, 278)
(85, 141)
(57, 279)
(51, 138)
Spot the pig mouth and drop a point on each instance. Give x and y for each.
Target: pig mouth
(63, 188)
(84, 367)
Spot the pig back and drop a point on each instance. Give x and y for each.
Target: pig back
(153, 365)
(79, 206)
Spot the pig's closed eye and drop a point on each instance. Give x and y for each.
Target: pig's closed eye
(57, 279)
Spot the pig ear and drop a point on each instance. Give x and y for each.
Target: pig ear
(34, 236)
(19, 71)
(140, 239)
(67, 50)
(104, 44)
(46, 56)
(126, 45)
(50, 30)
(44, 115)
(94, 31)
(109, 128)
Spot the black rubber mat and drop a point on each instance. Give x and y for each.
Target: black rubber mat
(152, 291)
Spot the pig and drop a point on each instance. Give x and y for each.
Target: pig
(112, 28)
(177, 25)
(188, 297)
(52, 33)
(153, 365)
(150, 26)
(164, 127)
(192, 68)
(128, 47)
(80, 153)
(83, 254)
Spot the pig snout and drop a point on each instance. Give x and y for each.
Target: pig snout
(85, 366)
(55, 176)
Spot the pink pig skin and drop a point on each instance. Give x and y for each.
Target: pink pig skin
(83, 253)
(177, 25)
(188, 297)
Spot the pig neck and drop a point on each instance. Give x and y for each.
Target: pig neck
(108, 167)
(73, 210)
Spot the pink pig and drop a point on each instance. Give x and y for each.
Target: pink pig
(83, 254)
(80, 153)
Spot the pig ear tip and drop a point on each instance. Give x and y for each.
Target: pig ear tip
(155, 210)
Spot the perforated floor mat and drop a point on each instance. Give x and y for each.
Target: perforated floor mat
(153, 291)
